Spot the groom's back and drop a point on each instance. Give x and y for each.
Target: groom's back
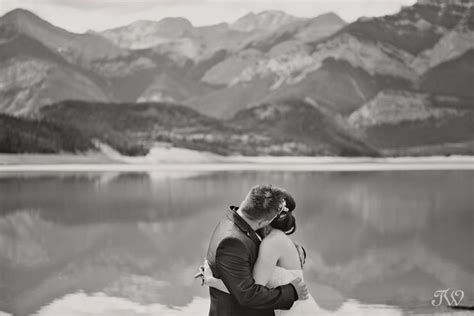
(223, 304)
(226, 228)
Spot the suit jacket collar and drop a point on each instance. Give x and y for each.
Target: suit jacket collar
(242, 224)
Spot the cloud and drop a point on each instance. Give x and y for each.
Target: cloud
(135, 5)
(106, 14)
(113, 6)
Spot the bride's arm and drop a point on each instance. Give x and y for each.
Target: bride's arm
(268, 256)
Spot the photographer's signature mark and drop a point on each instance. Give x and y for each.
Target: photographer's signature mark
(452, 297)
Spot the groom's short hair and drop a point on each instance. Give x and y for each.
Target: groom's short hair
(262, 202)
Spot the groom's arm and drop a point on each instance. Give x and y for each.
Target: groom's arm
(235, 270)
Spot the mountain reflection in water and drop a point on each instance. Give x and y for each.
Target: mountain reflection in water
(130, 243)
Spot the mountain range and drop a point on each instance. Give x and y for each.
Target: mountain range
(267, 84)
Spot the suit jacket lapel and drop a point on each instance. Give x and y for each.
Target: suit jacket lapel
(243, 225)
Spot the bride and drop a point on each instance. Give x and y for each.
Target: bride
(279, 262)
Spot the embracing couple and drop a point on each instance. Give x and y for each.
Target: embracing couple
(252, 266)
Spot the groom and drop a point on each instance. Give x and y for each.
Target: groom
(232, 253)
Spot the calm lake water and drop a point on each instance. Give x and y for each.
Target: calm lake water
(378, 243)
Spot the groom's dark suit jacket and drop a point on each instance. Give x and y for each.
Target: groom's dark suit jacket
(232, 254)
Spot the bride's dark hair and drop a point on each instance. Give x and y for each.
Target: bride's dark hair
(286, 222)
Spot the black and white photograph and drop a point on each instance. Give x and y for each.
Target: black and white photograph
(236, 157)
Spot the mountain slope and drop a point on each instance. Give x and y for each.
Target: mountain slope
(76, 48)
(132, 129)
(451, 46)
(298, 31)
(265, 20)
(33, 75)
(224, 103)
(341, 85)
(43, 64)
(333, 75)
(288, 128)
(177, 38)
(452, 77)
(415, 28)
(300, 126)
(37, 62)
(349, 66)
(29, 83)
(173, 88)
(404, 121)
(146, 34)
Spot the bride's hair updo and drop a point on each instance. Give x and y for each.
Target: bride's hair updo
(286, 222)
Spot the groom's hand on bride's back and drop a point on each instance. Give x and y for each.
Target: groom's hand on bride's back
(301, 288)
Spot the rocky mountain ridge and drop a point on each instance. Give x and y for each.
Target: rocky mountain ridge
(108, 70)
(403, 47)
(373, 75)
(265, 20)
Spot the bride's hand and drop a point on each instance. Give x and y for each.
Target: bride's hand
(205, 274)
(208, 277)
(200, 275)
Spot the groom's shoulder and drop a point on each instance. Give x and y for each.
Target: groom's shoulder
(228, 229)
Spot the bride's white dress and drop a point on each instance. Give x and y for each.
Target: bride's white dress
(282, 276)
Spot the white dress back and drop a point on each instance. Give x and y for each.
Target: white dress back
(283, 276)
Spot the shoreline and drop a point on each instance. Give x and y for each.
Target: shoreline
(98, 162)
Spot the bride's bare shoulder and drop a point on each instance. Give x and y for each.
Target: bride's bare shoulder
(271, 245)
(280, 245)
(275, 236)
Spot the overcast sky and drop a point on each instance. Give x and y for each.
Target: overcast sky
(83, 15)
